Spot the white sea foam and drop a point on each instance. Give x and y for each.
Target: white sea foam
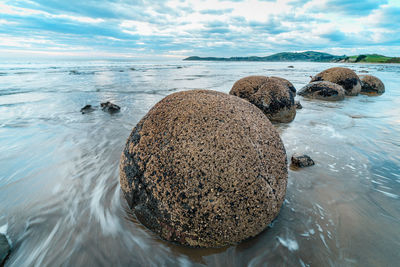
(3, 229)
(291, 244)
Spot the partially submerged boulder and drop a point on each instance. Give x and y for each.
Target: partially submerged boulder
(87, 109)
(4, 249)
(345, 77)
(204, 169)
(301, 161)
(109, 107)
(270, 94)
(298, 104)
(371, 85)
(323, 90)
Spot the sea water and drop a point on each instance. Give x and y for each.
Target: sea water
(60, 198)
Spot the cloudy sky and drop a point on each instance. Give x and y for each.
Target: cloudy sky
(177, 28)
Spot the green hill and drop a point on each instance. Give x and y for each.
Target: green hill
(309, 56)
(285, 56)
(373, 58)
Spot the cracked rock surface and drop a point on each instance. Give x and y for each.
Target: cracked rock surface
(204, 169)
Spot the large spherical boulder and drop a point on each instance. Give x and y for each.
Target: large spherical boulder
(345, 77)
(204, 169)
(269, 94)
(323, 90)
(371, 85)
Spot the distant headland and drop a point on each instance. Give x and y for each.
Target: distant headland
(309, 56)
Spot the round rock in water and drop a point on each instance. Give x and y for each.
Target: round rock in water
(371, 85)
(345, 77)
(323, 90)
(204, 169)
(270, 94)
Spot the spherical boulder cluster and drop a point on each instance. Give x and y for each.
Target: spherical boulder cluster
(344, 77)
(204, 169)
(332, 84)
(273, 95)
(371, 85)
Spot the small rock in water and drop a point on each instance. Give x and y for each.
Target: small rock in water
(87, 109)
(4, 249)
(298, 104)
(301, 161)
(109, 107)
(291, 67)
(132, 69)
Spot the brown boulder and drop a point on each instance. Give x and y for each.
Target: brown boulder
(270, 94)
(323, 90)
(204, 169)
(371, 85)
(345, 77)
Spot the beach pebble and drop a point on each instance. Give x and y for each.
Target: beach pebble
(87, 109)
(273, 95)
(4, 249)
(371, 85)
(109, 107)
(301, 161)
(298, 104)
(204, 169)
(323, 90)
(345, 77)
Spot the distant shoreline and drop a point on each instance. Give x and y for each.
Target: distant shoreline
(309, 56)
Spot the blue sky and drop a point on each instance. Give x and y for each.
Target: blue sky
(179, 28)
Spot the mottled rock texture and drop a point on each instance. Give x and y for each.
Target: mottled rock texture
(4, 249)
(323, 90)
(345, 77)
(301, 161)
(270, 94)
(371, 85)
(285, 82)
(204, 169)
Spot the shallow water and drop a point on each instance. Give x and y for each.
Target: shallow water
(60, 199)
